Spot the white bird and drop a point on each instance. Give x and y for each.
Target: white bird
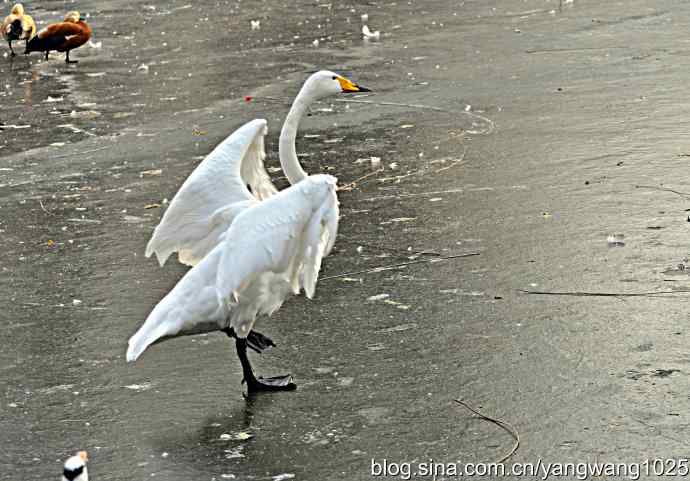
(276, 248)
(271, 250)
(75, 468)
(366, 33)
(215, 192)
(369, 35)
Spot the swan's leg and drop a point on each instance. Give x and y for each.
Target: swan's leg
(12, 54)
(255, 340)
(278, 383)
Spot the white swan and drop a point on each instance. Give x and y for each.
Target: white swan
(272, 249)
(215, 192)
(249, 250)
(75, 468)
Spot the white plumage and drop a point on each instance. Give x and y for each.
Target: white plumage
(74, 468)
(366, 33)
(272, 249)
(250, 249)
(213, 195)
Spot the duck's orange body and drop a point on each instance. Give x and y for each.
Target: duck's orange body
(64, 36)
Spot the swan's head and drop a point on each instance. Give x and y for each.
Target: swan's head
(73, 17)
(18, 10)
(325, 84)
(75, 468)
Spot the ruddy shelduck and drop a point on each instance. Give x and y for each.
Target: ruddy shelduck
(64, 36)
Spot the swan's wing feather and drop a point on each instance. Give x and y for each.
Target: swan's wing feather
(191, 306)
(284, 236)
(252, 169)
(318, 241)
(217, 225)
(199, 213)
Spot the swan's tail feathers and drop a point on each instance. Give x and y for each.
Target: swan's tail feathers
(147, 334)
(191, 307)
(163, 321)
(138, 344)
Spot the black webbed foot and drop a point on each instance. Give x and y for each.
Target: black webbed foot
(261, 384)
(275, 383)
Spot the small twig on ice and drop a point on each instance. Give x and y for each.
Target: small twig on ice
(568, 50)
(605, 294)
(43, 207)
(352, 185)
(500, 423)
(453, 163)
(663, 189)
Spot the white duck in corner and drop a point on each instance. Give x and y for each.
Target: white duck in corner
(250, 249)
(75, 468)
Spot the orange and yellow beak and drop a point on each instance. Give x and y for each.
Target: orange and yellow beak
(349, 86)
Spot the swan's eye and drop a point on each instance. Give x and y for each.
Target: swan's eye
(334, 77)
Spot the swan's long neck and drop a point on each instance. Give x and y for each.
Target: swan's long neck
(286, 148)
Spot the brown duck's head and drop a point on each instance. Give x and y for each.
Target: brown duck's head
(73, 17)
(18, 10)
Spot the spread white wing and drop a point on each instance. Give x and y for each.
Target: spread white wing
(213, 195)
(277, 247)
(271, 250)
